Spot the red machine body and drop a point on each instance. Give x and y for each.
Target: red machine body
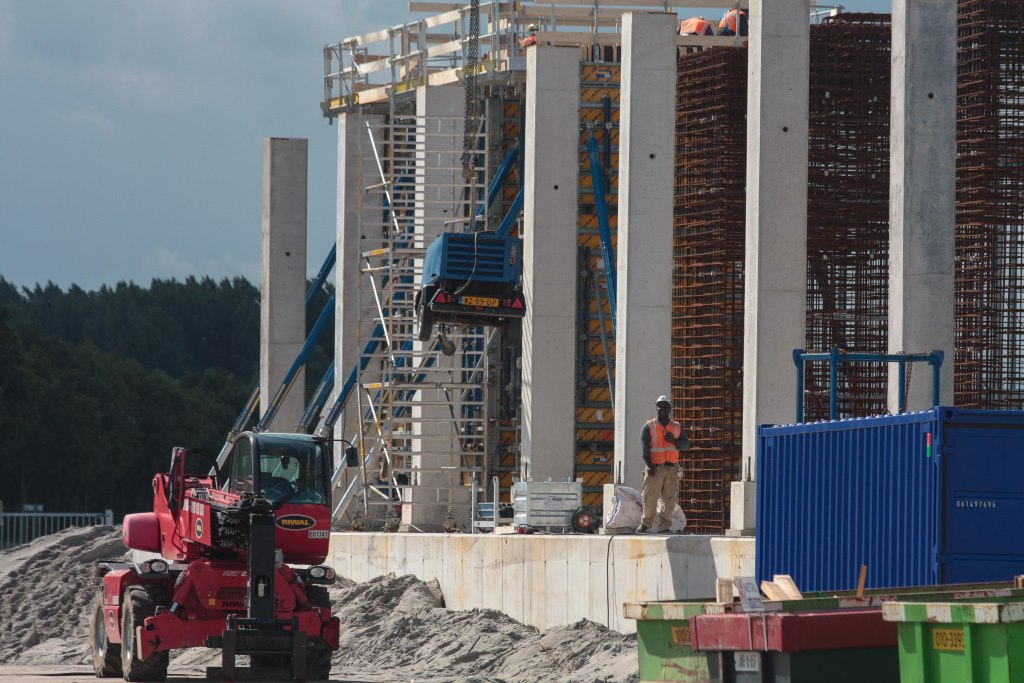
(216, 563)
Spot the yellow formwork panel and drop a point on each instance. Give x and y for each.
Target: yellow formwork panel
(595, 433)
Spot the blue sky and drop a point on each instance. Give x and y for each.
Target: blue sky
(131, 143)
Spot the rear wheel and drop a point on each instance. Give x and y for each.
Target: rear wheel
(141, 602)
(425, 316)
(106, 656)
(318, 655)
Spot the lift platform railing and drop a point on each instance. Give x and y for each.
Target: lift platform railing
(837, 357)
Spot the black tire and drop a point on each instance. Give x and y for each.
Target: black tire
(106, 656)
(425, 316)
(318, 655)
(141, 602)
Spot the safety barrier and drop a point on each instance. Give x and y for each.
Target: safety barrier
(17, 528)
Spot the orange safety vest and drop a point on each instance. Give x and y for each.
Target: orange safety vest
(528, 41)
(696, 26)
(728, 21)
(661, 450)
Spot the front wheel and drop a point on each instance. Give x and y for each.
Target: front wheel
(106, 656)
(425, 316)
(318, 655)
(141, 602)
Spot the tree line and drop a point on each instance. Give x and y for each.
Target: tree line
(97, 387)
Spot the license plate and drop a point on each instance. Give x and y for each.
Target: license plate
(479, 301)
(747, 661)
(951, 640)
(680, 635)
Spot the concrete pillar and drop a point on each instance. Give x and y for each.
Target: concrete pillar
(643, 337)
(775, 275)
(549, 261)
(357, 208)
(922, 192)
(283, 276)
(438, 179)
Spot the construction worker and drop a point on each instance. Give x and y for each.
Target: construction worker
(696, 26)
(661, 439)
(727, 25)
(530, 39)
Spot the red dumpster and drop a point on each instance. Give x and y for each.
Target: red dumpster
(834, 646)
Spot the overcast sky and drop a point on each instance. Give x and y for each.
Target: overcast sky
(131, 131)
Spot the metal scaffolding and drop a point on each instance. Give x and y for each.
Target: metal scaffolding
(848, 210)
(989, 309)
(847, 240)
(707, 292)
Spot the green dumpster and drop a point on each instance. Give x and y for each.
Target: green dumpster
(965, 643)
(663, 642)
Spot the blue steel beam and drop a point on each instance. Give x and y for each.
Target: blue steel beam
(604, 227)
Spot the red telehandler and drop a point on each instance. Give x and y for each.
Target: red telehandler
(211, 566)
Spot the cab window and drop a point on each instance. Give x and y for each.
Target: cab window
(240, 480)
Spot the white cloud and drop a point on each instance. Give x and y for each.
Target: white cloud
(86, 116)
(166, 263)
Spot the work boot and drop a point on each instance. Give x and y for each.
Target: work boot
(643, 529)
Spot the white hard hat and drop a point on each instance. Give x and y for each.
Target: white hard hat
(664, 399)
(531, 27)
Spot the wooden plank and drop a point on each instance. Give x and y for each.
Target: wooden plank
(433, 6)
(788, 585)
(647, 6)
(861, 580)
(773, 591)
(723, 591)
(445, 49)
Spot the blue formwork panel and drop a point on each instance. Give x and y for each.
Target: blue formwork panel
(920, 498)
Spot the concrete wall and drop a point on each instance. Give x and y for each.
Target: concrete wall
(922, 192)
(549, 262)
(548, 581)
(283, 276)
(775, 270)
(643, 343)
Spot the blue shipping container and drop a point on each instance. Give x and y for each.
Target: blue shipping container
(920, 498)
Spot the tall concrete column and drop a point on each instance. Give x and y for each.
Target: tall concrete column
(922, 192)
(549, 261)
(357, 208)
(643, 337)
(439, 110)
(775, 274)
(283, 276)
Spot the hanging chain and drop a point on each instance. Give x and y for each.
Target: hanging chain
(471, 66)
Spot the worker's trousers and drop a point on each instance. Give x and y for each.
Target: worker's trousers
(663, 484)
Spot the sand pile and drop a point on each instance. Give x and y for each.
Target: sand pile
(46, 593)
(392, 628)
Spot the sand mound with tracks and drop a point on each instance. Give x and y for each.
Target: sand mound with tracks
(393, 628)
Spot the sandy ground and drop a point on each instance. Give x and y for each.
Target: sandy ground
(393, 628)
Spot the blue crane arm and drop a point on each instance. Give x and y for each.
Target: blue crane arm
(297, 364)
(494, 188)
(322, 274)
(308, 421)
(512, 215)
(604, 227)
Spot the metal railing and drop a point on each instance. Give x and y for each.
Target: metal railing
(17, 528)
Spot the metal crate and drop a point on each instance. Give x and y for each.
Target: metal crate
(546, 504)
